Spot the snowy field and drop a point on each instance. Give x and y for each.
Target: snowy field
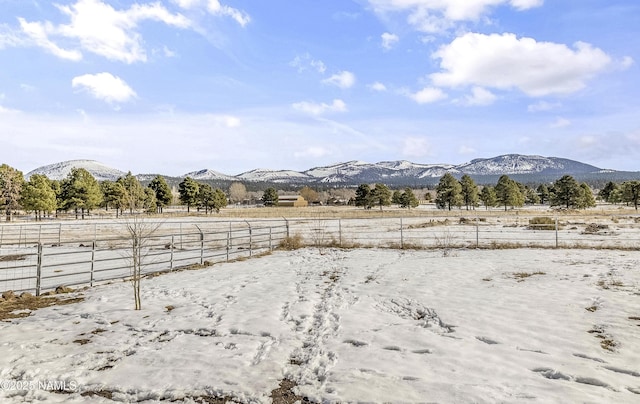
(364, 325)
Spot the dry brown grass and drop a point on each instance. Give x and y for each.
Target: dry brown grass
(25, 304)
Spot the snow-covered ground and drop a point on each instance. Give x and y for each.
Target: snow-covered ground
(367, 325)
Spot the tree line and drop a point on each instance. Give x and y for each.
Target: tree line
(81, 193)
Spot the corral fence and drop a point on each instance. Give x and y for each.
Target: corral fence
(39, 257)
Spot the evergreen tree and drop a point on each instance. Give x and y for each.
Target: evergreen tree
(566, 192)
(531, 196)
(113, 195)
(469, 191)
(134, 194)
(38, 196)
(188, 190)
(586, 197)
(448, 192)
(508, 192)
(631, 192)
(270, 197)
(396, 198)
(80, 190)
(364, 196)
(543, 193)
(150, 203)
(211, 199)
(163, 194)
(381, 195)
(488, 197)
(606, 192)
(11, 182)
(408, 199)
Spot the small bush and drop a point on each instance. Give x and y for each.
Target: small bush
(292, 242)
(542, 223)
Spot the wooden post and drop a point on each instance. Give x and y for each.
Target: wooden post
(39, 270)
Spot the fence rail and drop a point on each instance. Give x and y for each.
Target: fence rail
(38, 265)
(39, 257)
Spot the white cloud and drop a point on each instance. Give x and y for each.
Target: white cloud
(543, 106)
(320, 108)
(95, 27)
(215, 8)
(428, 95)
(306, 62)
(464, 149)
(37, 34)
(505, 62)
(388, 40)
(438, 15)
(480, 96)
(560, 123)
(343, 79)
(104, 86)
(627, 62)
(377, 86)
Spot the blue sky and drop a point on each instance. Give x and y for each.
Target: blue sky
(173, 86)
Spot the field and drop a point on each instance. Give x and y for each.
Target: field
(335, 325)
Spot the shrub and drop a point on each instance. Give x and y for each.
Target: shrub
(542, 223)
(292, 242)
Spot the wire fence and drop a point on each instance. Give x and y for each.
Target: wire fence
(40, 257)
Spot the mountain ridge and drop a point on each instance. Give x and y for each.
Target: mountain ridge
(355, 171)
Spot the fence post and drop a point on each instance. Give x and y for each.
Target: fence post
(39, 233)
(201, 247)
(93, 256)
(250, 239)
(340, 231)
(39, 270)
(171, 259)
(287, 224)
(401, 235)
(228, 243)
(556, 231)
(270, 248)
(59, 233)
(477, 232)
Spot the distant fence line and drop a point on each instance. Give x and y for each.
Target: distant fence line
(37, 257)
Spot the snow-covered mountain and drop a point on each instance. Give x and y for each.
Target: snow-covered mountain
(519, 164)
(207, 174)
(358, 172)
(59, 171)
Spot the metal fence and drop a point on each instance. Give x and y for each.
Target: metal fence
(36, 257)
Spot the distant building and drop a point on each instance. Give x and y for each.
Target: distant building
(295, 201)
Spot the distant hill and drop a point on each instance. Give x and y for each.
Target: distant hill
(523, 168)
(61, 170)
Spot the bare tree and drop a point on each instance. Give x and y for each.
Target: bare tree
(139, 233)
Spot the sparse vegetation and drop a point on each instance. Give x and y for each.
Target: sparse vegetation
(542, 223)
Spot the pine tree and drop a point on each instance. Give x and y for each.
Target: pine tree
(488, 197)
(508, 192)
(364, 196)
(408, 199)
(448, 192)
(606, 192)
(543, 193)
(80, 190)
(11, 182)
(134, 195)
(163, 194)
(270, 197)
(38, 196)
(631, 192)
(469, 191)
(381, 195)
(566, 192)
(188, 190)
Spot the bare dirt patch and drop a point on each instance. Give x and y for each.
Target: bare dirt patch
(13, 257)
(12, 306)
